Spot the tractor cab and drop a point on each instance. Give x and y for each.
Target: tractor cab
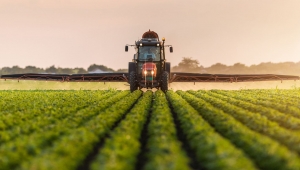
(149, 63)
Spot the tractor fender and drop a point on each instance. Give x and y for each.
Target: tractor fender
(131, 67)
(168, 67)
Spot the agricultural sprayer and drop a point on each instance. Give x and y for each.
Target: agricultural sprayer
(150, 69)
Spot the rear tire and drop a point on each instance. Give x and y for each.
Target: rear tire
(132, 81)
(165, 81)
(131, 66)
(168, 67)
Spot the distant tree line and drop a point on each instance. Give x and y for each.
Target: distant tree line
(94, 68)
(190, 65)
(186, 65)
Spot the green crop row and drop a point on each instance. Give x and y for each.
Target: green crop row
(277, 96)
(163, 148)
(255, 121)
(264, 151)
(121, 149)
(243, 129)
(26, 147)
(282, 119)
(274, 96)
(44, 119)
(211, 149)
(70, 150)
(31, 104)
(270, 99)
(32, 100)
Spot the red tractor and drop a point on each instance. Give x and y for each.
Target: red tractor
(149, 68)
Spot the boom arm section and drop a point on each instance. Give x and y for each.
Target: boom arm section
(196, 77)
(175, 77)
(97, 77)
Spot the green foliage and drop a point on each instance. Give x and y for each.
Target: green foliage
(255, 121)
(245, 129)
(187, 64)
(285, 101)
(121, 149)
(267, 153)
(163, 148)
(212, 150)
(41, 133)
(95, 67)
(71, 149)
(282, 119)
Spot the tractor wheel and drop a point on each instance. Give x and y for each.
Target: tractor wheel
(132, 81)
(165, 81)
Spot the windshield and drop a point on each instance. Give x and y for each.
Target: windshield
(149, 53)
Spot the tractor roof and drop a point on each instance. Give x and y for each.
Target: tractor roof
(149, 38)
(150, 34)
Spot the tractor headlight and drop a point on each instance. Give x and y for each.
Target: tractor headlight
(145, 72)
(152, 72)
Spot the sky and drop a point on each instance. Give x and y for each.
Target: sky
(78, 33)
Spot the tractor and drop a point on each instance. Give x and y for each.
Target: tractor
(149, 68)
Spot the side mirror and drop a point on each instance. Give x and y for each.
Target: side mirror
(126, 48)
(171, 49)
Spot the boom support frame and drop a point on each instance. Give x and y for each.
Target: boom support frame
(175, 77)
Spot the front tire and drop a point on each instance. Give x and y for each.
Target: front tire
(132, 81)
(165, 81)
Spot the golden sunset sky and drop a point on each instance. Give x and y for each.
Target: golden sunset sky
(73, 33)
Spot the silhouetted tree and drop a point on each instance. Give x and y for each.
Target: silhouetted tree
(64, 70)
(96, 67)
(217, 68)
(80, 71)
(188, 65)
(51, 69)
(32, 69)
(238, 68)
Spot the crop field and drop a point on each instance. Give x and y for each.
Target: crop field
(116, 129)
(56, 85)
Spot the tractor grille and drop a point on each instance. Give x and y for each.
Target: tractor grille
(148, 78)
